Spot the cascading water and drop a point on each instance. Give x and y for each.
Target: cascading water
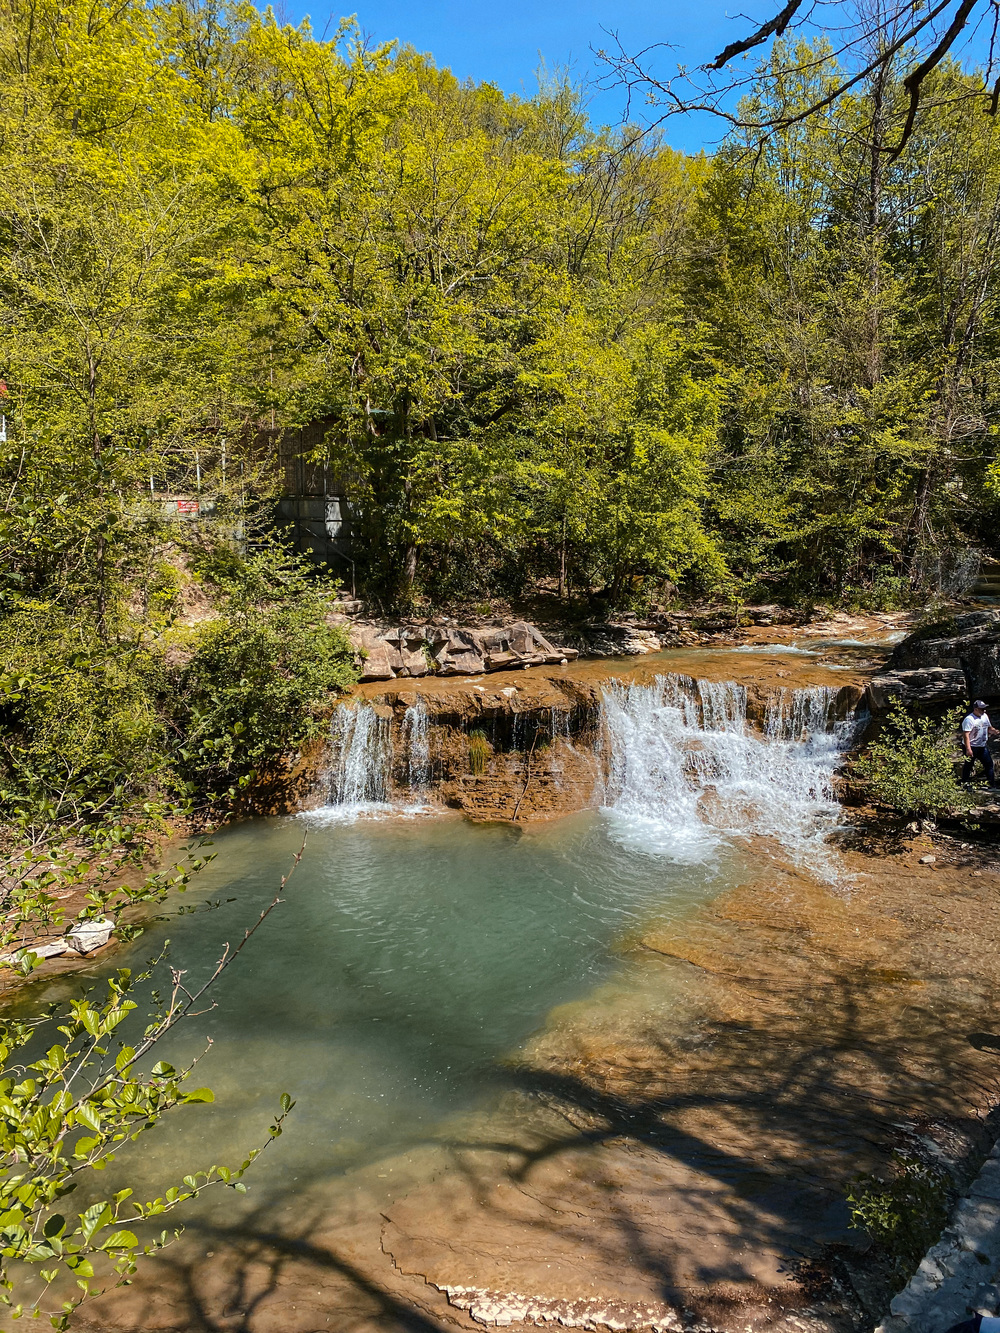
(795, 714)
(685, 769)
(361, 766)
(416, 740)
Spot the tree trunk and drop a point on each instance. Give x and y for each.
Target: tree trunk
(562, 563)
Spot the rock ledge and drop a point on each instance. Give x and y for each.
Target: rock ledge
(957, 1276)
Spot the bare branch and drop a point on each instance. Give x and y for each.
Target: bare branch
(772, 28)
(916, 77)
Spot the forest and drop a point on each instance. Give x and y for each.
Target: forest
(536, 353)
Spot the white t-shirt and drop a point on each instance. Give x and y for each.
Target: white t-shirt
(978, 728)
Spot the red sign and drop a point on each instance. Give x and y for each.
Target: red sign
(187, 506)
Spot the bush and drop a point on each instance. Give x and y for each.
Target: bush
(905, 1214)
(911, 767)
(139, 721)
(259, 681)
(78, 716)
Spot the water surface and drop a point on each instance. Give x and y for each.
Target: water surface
(410, 956)
(413, 955)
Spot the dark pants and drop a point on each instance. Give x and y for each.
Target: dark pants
(982, 753)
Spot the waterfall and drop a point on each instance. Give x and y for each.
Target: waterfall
(559, 724)
(792, 714)
(416, 742)
(723, 706)
(361, 766)
(685, 770)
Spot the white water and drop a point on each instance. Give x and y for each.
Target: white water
(360, 774)
(684, 771)
(416, 739)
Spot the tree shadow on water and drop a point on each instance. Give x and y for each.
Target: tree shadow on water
(673, 1159)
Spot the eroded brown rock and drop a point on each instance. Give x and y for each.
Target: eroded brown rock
(411, 650)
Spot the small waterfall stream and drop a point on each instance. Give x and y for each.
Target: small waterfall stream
(415, 736)
(361, 747)
(683, 767)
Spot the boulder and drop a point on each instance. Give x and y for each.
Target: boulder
(456, 652)
(378, 658)
(968, 644)
(616, 639)
(519, 644)
(86, 936)
(410, 650)
(931, 688)
(410, 646)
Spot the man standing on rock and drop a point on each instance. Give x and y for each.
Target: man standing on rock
(976, 732)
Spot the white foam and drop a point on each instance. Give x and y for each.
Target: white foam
(325, 816)
(775, 648)
(685, 770)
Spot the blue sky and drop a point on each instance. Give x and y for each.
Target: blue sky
(502, 42)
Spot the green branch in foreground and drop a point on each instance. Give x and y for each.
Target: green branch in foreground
(69, 1113)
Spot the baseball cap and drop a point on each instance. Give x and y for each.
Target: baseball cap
(980, 703)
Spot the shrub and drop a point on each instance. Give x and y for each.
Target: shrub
(78, 717)
(260, 679)
(904, 1214)
(911, 767)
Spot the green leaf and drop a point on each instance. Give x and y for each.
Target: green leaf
(121, 1240)
(88, 1115)
(199, 1095)
(96, 1216)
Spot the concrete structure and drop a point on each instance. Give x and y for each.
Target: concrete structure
(316, 509)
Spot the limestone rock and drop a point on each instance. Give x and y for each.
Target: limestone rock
(521, 644)
(376, 654)
(415, 650)
(617, 639)
(457, 652)
(969, 644)
(411, 652)
(927, 687)
(86, 936)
